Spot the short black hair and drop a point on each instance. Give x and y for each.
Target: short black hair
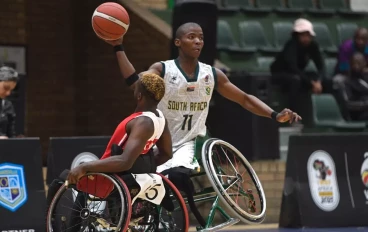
(184, 28)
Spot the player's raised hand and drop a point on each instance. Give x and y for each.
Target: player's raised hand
(114, 42)
(288, 116)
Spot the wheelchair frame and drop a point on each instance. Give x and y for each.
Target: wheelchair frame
(212, 194)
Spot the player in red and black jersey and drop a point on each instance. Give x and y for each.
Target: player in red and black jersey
(134, 137)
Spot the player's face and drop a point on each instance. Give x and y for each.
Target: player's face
(6, 87)
(192, 42)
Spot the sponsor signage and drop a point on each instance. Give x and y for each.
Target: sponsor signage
(22, 194)
(326, 177)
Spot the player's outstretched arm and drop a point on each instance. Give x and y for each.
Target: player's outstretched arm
(139, 131)
(164, 145)
(250, 102)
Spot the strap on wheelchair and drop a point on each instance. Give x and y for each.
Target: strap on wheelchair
(180, 176)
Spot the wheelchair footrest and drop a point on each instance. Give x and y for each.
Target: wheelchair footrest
(230, 222)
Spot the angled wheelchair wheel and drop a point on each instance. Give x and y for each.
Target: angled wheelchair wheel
(234, 180)
(98, 202)
(170, 215)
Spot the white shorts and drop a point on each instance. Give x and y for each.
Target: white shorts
(183, 155)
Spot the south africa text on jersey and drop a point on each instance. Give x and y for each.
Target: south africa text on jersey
(183, 106)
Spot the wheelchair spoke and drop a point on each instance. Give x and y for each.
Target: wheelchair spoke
(229, 160)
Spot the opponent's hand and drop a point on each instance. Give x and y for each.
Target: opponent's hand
(288, 115)
(75, 174)
(115, 42)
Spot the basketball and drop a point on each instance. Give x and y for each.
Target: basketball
(110, 21)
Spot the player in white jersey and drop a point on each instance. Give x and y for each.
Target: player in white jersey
(189, 85)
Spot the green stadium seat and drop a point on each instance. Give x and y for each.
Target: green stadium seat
(326, 114)
(264, 63)
(271, 5)
(345, 31)
(226, 41)
(303, 5)
(330, 64)
(311, 67)
(252, 35)
(339, 6)
(237, 5)
(323, 37)
(282, 32)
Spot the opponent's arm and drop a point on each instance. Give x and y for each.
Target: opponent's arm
(164, 145)
(141, 130)
(250, 102)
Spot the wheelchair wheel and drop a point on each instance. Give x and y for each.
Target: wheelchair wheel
(234, 180)
(171, 215)
(98, 202)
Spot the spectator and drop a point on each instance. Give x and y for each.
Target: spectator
(353, 91)
(358, 44)
(8, 81)
(288, 69)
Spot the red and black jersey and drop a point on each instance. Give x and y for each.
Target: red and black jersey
(120, 136)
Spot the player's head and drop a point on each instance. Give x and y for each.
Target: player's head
(189, 40)
(150, 89)
(357, 63)
(361, 38)
(8, 81)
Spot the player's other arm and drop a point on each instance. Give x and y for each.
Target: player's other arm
(139, 131)
(250, 102)
(164, 145)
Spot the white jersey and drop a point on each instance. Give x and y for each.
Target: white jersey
(185, 103)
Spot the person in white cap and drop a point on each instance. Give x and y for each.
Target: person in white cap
(288, 69)
(8, 81)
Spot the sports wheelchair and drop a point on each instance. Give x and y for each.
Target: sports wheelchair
(232, 181)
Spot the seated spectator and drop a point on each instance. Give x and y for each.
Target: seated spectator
(8, 81)
(358, 44)
(288, 69)
(353, 91)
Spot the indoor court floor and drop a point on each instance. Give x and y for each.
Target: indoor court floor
(274, 228)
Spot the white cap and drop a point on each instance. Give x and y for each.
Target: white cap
(303, 25)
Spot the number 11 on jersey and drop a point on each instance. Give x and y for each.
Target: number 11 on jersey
(187, 120)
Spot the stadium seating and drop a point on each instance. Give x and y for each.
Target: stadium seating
(237, 5)
(226, 41)
(326, 114)
(345, 31)
(282, 32)
(264, 63)
(323, 37)
(339, 6)
(330, 67)
(252, 36)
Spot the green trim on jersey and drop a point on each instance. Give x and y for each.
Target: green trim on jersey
(162, 74)
(214, 76)
(185, 75)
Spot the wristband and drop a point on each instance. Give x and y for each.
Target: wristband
(118, 48)
(274, 115)
(131, 79)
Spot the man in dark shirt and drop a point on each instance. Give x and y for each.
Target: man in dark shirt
(288, 69)
(8, 81)
(354, 90)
